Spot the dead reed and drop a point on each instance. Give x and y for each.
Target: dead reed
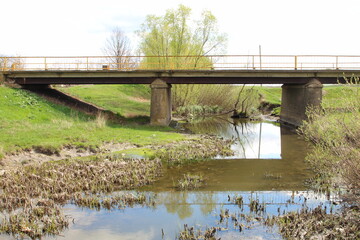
(194, 150)
(32, 196)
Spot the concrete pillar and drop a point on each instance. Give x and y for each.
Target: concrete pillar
(160, 110)
(296, 98)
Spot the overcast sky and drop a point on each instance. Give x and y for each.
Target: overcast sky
(80, 27)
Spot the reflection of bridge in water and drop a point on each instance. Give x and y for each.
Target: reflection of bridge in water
(272, 159)
(302, 76)
(253, 140)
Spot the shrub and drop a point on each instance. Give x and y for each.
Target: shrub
(336, 154)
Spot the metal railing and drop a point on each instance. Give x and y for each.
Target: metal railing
(211, 62)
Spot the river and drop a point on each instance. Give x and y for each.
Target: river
(267, 167)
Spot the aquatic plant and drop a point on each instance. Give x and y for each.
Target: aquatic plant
(32, 196)
(114, 201)
(193, 150)
(270, 175)
(191, 233)
(238, 200)
(317, 224)
(190, 181)
(255, 206)
(35, 221)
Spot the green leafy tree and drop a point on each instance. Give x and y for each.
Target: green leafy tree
(175, 41)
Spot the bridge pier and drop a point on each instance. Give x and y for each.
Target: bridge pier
(296, 98)
(160, 109)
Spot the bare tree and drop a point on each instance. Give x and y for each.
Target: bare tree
(117, 49)
(11, 63)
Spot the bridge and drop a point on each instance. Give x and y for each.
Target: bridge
(301, 76)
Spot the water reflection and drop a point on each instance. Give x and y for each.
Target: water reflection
(267, 157)
(253, 140)
(268, 166)
(174, 209)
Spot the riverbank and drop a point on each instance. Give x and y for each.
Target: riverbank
(30, 124)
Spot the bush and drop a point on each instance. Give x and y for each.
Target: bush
(336, 134)
(214, 98)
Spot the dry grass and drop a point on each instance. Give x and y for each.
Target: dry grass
(101, 120)
(32, 196)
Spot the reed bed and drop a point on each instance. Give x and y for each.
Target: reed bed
(194, 150)
(32, 196)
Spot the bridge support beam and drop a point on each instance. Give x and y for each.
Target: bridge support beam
(160, 109)
(296, 98)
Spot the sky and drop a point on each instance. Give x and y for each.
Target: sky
(80, 27)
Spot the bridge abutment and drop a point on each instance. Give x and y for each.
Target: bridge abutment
(296, 98)
(160, 109)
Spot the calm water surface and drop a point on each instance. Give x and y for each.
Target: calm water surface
(268, 165)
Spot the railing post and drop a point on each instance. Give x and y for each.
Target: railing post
(337, 62)
(253, 62)
(5, 64)
(87, 63)
(45, 64)
(296, 62)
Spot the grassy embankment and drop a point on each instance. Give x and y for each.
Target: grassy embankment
(126, 100)
(30, 122)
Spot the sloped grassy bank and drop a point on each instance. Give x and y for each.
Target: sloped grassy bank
(30, 123)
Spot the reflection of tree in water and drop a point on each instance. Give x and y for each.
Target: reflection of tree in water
(211, 125)
(176, 202)
(207, 201)
(244, 132)
(247, 136)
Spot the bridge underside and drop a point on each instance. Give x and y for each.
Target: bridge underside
(301, 88)
(178, 77)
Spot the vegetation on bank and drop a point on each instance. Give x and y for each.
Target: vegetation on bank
(335, 132)
(126, 100)
(27, 121)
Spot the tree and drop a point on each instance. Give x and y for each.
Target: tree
(11, 63)
(173, 41)
(169, 41)
(118, 51)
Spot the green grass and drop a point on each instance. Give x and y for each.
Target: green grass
(271, 95)
(28, 121)
(128, 100)
(331, 95)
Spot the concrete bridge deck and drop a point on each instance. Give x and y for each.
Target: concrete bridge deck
(179, 76)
